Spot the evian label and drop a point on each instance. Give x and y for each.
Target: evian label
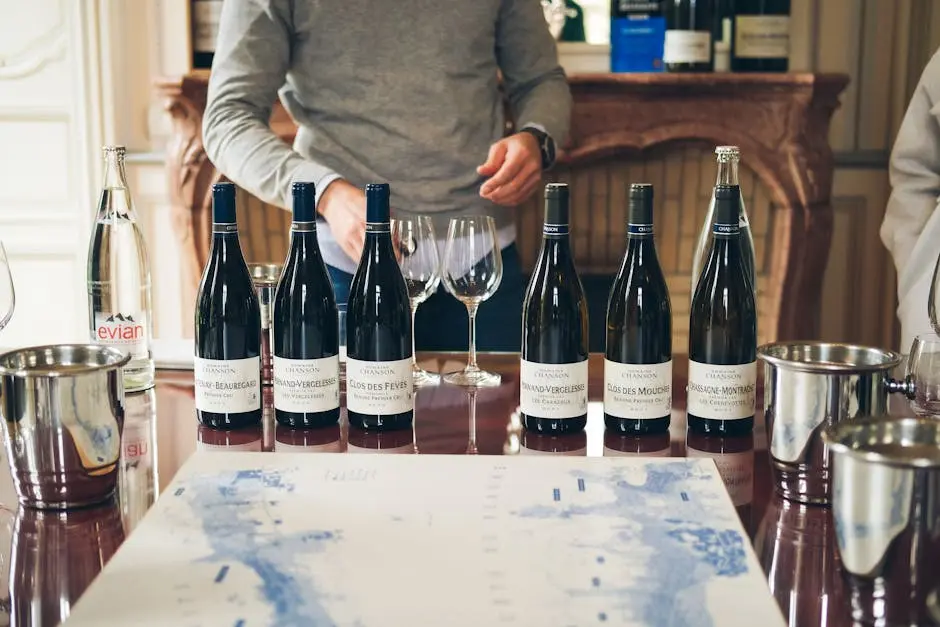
(637, 391)
(383, 388)
(306, 385)
(722, 392)
(227, 386)
(553, 390)
(126, 331)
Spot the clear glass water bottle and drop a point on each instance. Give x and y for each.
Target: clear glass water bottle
(728, 158)
(120, 312)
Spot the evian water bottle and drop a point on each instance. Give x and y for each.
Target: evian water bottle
(119, 276)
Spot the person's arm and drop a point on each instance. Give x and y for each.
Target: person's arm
(251, 61)
(911, 227)
(538, 95)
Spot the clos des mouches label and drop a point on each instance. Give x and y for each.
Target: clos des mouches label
(637, 391)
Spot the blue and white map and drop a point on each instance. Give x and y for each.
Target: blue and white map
(251, 539)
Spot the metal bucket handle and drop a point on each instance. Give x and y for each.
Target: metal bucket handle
(903, 386)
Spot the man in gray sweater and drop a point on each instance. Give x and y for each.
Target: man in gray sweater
(402, 92)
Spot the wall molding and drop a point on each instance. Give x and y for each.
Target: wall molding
(48, 46)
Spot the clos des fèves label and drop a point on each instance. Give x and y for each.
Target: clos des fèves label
(227, 386)
(306, 385)
(553, 390)
(124, 331)
(637, 391)
(722, 392)
(379, 387)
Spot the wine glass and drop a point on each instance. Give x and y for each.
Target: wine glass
(472, 440)
(472, 270)
(7, 294)
(923, 375)
(421, 267)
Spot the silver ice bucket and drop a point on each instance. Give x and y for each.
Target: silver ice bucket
(808, 386)
(886, 506)
(63, 415)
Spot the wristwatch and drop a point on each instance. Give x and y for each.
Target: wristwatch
(546, 145)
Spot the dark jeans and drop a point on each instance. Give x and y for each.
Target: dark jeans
(441, 323)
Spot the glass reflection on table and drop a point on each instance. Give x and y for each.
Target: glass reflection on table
(734, 457)
(139, 474)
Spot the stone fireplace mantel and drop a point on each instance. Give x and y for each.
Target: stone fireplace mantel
(780, 122)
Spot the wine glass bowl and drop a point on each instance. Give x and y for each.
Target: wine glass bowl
(472, 271)
(416, 251)
(923, 375)
(7, 292)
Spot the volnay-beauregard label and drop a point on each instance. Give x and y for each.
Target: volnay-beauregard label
(125, 331)
(553, 390)
(722, 392)
(379, 387)
(306, 385)
(227, 386)
(637, 391)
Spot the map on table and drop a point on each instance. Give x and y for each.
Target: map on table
(250, 539)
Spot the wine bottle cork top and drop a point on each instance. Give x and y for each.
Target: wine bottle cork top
(377, 203)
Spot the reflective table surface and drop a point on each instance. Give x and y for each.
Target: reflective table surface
(49, 558)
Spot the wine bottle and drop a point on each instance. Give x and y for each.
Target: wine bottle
(227, 364)
(688, 40)
(728, 158)
(638, 364)
(306, 327)
(119, 295)
(637, 32)
(205, 28)
(554, 370)
(379, 386)
(723, 331)
(761, 41)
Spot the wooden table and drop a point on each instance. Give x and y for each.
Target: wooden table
(54, 557)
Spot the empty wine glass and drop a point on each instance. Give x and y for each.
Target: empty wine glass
(7, 293)
(923, 375)
(472, 270)
(421, 267)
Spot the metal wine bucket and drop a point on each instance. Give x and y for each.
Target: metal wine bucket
(63, 417)
(808, 386)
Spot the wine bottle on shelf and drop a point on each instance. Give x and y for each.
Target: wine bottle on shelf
(119, 295)
(723, 331)
(722, 34)
(688, 40)
(728, 158)
(204, 16)
(638, 364)
(306, 327)
(227, 364)
(637, 31)
(761, 41)
(554, 370)
(379, 386)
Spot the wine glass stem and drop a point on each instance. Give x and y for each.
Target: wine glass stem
(414, 355)
(472, 315)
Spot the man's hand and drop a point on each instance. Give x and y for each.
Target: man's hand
(514, 166)
(343, 206)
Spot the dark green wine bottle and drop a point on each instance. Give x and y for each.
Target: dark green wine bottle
(688, 43)
(638, 364)
(723, 331)
(554, 370)
(761, 36)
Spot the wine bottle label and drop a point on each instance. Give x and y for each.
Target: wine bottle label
(637, 391)
(224, 227)
(687, 46)
(227, 386)
(762, 37)
(303, 227)
(206, 14)
(379, 387)
(553, 390)
(639, 229)
(722, 392)
(306, 385)
(125, 331)
(378, 227)
(555, 229)
(726, 229)
(736, 471)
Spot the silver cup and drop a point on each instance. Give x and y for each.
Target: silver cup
(265, 277)
(63, 415)
(886, 506)
(807, 386)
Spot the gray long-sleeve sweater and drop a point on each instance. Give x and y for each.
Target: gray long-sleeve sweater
(402, 92)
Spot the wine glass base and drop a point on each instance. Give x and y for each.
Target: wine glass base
(473, 378)
(424, 378)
